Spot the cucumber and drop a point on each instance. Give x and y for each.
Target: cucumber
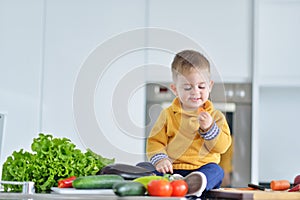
(97, 181)
(129, 188)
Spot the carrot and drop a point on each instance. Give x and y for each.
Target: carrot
(201, 109)
(280, 184)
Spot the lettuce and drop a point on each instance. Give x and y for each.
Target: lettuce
(52, 159)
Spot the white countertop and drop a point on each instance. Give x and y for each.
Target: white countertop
(41, 196)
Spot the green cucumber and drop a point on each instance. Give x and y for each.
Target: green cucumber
(104, 181)
(129, 188)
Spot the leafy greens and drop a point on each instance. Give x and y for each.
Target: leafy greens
(52, 159)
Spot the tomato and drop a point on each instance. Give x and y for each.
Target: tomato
(180, 188)
(160, 188)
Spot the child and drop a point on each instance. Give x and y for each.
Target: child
(190, 134)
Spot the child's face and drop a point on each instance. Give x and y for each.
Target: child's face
(192, 89)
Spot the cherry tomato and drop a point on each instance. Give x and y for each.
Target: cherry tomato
(160, 188)
(180, 188)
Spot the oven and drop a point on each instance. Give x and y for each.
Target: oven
(234, 100)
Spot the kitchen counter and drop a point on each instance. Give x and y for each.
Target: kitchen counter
(17, 196)
(230, 193)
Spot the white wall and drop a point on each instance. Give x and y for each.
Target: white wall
(44, 44)
(73, 31)
(21, 50)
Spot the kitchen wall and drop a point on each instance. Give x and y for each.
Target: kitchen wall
(21, 61)
(44, 45)
(66, 65)
(276, 83)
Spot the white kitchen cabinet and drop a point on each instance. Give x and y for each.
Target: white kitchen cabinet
(277, 53)
(221, 28)
(44, 45)
(21, 36)
(276, 89)
(278, 138)
(74, 31)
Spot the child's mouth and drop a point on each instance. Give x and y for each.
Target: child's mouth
(195, 99)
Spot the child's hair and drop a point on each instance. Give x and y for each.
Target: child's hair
(187, 60)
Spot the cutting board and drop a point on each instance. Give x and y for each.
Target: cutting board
(82, 191)
(233, 193)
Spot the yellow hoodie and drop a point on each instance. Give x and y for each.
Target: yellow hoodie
(176, 136)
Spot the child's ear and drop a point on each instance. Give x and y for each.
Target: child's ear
(211, 84)
(174, 89)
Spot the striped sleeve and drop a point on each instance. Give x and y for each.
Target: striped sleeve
(211, 133)
(157, 157)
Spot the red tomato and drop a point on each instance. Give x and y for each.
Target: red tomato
(180, 188)
(160, 188)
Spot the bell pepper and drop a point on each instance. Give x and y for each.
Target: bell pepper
(295, 188)
(66, 183)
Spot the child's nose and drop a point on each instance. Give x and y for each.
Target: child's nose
(195, 89)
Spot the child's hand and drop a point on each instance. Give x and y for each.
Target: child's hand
(164, 166)
(205, 121)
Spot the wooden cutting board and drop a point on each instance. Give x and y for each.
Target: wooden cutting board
(243, 193)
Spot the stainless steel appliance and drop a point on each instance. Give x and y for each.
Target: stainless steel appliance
(234, 100)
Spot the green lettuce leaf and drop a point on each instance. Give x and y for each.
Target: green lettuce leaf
(52, 159)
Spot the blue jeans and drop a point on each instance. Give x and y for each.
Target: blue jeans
(213, 172)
